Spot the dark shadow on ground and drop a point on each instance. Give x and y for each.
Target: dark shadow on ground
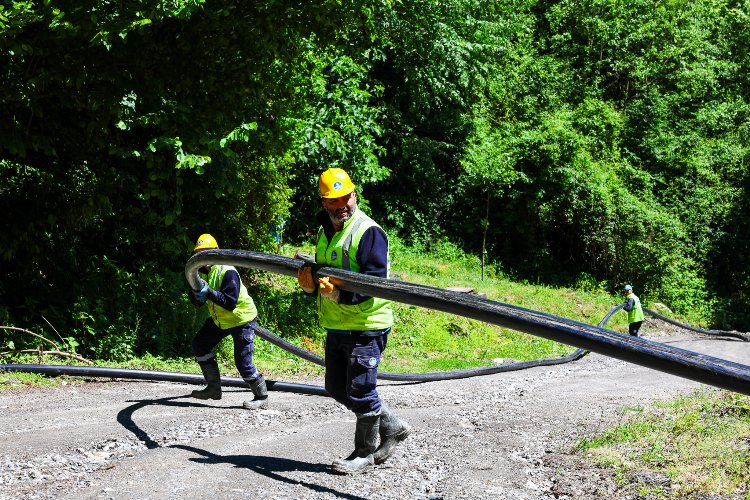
(269, 467)
(125, 416)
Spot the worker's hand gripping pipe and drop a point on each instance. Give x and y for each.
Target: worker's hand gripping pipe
(699, 367)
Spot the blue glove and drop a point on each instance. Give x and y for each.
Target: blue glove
(202, 296)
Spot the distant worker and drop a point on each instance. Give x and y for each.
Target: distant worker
(357, 325)
(634, 310)
(231, 312)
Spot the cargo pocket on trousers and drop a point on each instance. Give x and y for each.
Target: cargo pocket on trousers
(365, 372)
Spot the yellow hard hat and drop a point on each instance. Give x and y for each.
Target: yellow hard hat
(335, 183)
(205, 242)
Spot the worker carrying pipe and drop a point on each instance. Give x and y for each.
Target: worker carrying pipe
(231, 312)
(357, 325)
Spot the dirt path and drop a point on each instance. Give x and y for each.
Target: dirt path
(505, 436)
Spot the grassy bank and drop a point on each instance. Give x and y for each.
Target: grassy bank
(696, 446)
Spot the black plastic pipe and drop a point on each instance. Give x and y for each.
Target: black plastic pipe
(691, 365)
(185, 378)
(56, 370)
(423, 377)
(716, 333)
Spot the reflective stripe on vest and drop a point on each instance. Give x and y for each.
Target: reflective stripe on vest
(341, 252)
(635, 314)
(244, 311)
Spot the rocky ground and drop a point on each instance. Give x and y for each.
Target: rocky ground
(505, 436)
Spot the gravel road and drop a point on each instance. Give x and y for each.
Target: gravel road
(505, 436)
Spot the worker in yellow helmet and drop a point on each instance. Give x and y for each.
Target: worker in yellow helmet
(232, 312)
(357, 325)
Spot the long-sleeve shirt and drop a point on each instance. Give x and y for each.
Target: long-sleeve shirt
(629, 305)
(227, 296)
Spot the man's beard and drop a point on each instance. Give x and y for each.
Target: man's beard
(339, 217)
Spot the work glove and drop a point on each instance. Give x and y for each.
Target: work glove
(202, 295)
(328, 290)
(305, 279)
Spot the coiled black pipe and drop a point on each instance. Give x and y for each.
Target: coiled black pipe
(691, 365)
(309, 356)
(83, 371)
(56, 370)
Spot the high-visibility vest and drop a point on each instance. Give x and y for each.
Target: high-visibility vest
(635, 314)
(341, 252)
(245, 310)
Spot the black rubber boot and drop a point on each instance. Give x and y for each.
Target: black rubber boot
(261, 395)
(211, 373)
(393, 430)
(365, 442)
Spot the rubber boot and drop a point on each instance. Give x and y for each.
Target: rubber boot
(393, 430)
(211, 373)
(261, 395)
(365, 442)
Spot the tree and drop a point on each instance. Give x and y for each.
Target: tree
(129, 129)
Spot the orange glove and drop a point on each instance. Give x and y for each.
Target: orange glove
(328, 290)
(325, 285)
(305, 279)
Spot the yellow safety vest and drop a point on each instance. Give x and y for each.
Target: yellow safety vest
(635, 314)
(245, 310)
(341, 252)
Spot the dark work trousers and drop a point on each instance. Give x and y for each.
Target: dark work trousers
(633, 328)
(352, 360)
(243, 336)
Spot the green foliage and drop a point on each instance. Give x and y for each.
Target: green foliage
(676, 71)
(335, 124)
(436, 61)
(122, 139)
(144, 312)
(612, 145)
(553, 138)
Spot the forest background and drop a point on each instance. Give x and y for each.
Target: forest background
(584, 143)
